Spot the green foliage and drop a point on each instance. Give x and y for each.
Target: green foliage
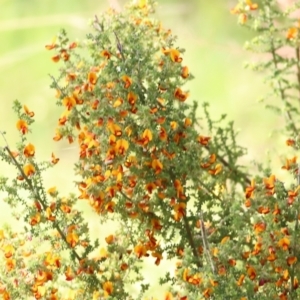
(169, 175)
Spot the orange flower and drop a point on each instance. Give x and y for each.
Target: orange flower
(180, 209)
(174, 54)
(72, 239)
(187, 122)
(292, 195)
(203, 140)
(250, 190)
(163, 134)
(29, 170)
(208, 292)
(168, 296)
(69, 273)
(106, 54)
(225, 239)
(180, 95)
(284, 243)
(28, 112)
(55, 58)
(52, 191)
(121, 146)
(291, 260)
(251, 272)
(289, 163)
(140, 250)
(250, 5)
(22, 126)
(270, 184)
(64, 54)
(108, 288)
(131, 97)
(127, 81)
(110, 239)
(218, 168)
(92, 78)
(73, 45)
(147, 136)
(58, 136)
(69, 102)
(290, 142)
(8, 250)
(54, 159)
(241, 280)
(52, 45)
(29, 150)
(118, 102)
(35, 219)
(292, 33)
(260, 227)
(114, 128)
(10, 265)
(157, 166)
(185, 72)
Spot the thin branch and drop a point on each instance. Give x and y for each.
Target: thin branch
(191, 241)
(205, 243)
(38, 197)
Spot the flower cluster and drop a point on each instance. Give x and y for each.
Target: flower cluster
(148, 163)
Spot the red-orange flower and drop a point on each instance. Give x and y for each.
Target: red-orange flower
(28, 112)
(270, 184)
(291, 260)
(185, 72)
(29, 150)
(92, 78)
(22, 126)
(110, 239)
(290, 142)
(69, 273)
(203, 140)
(108, 288)
(54, 159)
(216, 170)
(259, 227)
(35, 219)
(180, 95)
(289, 162)
(251, 272)
(292, 33)
(127, 81)
(131, 97)
(121, 146)
(157, 166)
(180, 210)
(69, 102)
(72, 239)
(250, 5)
(52, 45)
(241, 280)
(106, 54)
(140, 250)
(29, 170)
(174, 54)
(284, 243)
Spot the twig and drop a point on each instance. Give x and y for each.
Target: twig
(205, 243)
(119, 46)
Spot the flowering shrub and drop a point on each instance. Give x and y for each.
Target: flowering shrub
(169, 178)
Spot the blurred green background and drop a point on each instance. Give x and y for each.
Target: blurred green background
(214, 54)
